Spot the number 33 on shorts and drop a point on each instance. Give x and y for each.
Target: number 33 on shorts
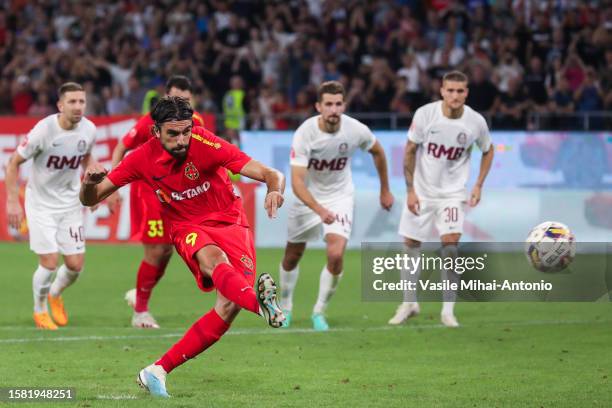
(156, 228)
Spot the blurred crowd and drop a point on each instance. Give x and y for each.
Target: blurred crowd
(260, 61)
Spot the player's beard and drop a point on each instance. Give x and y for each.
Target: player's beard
(178, 154)
(332, 126)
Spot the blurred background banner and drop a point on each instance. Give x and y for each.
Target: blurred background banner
(536, 176)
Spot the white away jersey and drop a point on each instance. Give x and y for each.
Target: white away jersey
(328, 156)
(57, 154)
(443, 158)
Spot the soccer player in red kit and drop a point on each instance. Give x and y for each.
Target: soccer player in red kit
(186, 167)
(147, 225)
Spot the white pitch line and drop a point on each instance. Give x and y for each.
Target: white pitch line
(117, 397)
(258, 332)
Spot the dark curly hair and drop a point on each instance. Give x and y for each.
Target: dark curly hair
(171, 108)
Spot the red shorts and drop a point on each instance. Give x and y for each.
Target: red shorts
(145, 213)
(235, 240)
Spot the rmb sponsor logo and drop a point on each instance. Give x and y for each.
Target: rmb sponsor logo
(336, 164)
(439, 150)
(60, 162)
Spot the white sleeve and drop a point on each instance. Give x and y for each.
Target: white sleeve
(32, 143)
(483, 141)
(416, 132)
(93, 138)
(300, 151)
(367, 139)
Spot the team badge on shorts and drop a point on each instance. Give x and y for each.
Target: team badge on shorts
(462, 138)
(246, 261)
(191, 172)
(81, 146)
(343, 148)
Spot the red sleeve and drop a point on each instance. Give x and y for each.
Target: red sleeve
(129, 169)
(233, 158)
(139, 134)
(224, 154)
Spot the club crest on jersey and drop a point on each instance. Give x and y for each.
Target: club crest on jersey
(246, 261)
(81, 146)
(191, 172)
(343, 148)
(462, 138)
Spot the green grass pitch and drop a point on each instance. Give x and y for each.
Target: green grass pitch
(504, 355)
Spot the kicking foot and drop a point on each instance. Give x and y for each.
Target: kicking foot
(404, 312)
(56, 304)
(449, 320)
(144, 320)
(318, 322)
(43, 321)
(153, 379)
(268, 306)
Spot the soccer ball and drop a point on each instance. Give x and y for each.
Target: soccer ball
(550, 247)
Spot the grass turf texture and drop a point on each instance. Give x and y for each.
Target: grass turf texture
(506, 354)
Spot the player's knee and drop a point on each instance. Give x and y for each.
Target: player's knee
(335, 264)
(75, 264)
(291, 260)
(211, 258)
(227, 310)
(49, 261)
(167, 252)
(155, 254)
(412, 243)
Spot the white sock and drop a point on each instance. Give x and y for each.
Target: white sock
(158, 370)
(41, 281)
(410, 296)
(449, 296)
(448, 308)
(64, 278)
(327, 287)
(288, 280)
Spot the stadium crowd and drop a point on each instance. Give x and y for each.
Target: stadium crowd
(259, 62)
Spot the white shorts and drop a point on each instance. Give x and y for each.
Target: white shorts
(446, 216)
(56, 232)
(305, 225)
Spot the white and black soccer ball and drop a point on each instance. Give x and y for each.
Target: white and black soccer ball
(550, 247)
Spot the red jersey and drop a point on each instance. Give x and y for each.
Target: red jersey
(195, 189)
(143, 130)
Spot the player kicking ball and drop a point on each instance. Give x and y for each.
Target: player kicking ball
(145, 213)
(436, 166)
(186, 167)
(321, 180)
(59, 146)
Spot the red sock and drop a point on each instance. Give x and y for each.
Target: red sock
(203, 334)
(146, 279)
(231, 284)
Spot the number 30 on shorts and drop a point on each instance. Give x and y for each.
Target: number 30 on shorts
(156, 228)
(451, 214)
